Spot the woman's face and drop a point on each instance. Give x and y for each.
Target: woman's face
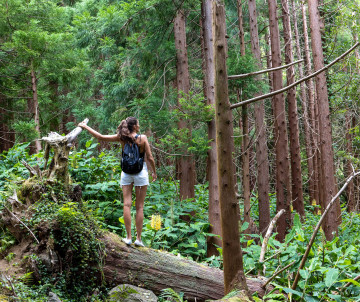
(137, 127)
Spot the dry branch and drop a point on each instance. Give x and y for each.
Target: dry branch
(277, 273)
(303, 260)
(74, 134)
(268, 95)
(32, 171)
(245, 75)
(18, 219)
(268, 234)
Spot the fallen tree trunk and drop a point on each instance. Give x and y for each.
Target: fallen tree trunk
(156, 270)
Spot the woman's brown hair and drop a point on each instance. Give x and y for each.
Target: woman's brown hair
(127, 127)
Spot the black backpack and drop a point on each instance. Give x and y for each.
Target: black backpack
(132, 160)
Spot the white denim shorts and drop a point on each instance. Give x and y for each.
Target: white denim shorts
(140, 179)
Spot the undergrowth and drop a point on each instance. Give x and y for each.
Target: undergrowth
(331, 264)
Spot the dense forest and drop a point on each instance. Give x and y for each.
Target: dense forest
(251, 110)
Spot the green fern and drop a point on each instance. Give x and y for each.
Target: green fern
(170, 295)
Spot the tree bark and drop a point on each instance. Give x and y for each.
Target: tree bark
(283, 187)
(156, 270)
(245, 152)
(241, 28)
(186, 163)
(246, 164)
(311, 98)
(351, 204)
(328, 185)
(295, 156)
(304, 102)
(232, 254)
(7, 137)
(209, 77)
(260, 126)
(34, 107)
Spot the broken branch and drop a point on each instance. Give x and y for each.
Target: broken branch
(245, 75)
(268, 95)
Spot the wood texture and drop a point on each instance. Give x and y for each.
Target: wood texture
(209, 78)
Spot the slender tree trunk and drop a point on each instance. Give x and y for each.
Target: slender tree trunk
(209, 77)
(246, 163)
(33, 107)
(232, 254)
(356, 179)
(304, 101)
(186, 163)
(245, 129)
(312, 118)
(260, 126)
(296, 177)
(283, 187)
(348, 166)
(6, 136)
(241, 28)
(328, 185)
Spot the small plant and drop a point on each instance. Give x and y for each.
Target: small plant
(10, 257)
(168, 294)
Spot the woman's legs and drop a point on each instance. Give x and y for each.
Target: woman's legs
(140, 197)
(127, 193)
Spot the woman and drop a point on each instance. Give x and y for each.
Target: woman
(127, 133)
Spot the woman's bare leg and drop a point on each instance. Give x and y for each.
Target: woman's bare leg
(140, 197)
(127, 193)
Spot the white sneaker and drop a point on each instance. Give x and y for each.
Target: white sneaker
(127, 241)
(139, 243)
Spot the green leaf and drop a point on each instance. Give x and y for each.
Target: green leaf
(244, 226)
(351, 281)
(331, 276)
(291, 291)
(310, 299)
(121, 219)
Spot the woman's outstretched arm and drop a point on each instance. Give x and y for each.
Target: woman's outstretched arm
(99, 136)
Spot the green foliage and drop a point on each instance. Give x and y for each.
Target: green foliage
(329, 266)
(6, 241)
(168, 294)
(122, 293)
(74, 232)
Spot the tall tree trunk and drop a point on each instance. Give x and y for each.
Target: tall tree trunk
(246, 163)
(296, 177)
(283, 187)
(245, 129)
(33, 107)
(186, 163)
(241, 28)
(209, 78)
(304, 101)
(312, 117)
(356, 179)
(6, 136)
(328, 185)
(232, 254)
(348, 166)
(260, 126)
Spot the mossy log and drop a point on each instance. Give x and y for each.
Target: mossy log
(156, 270)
